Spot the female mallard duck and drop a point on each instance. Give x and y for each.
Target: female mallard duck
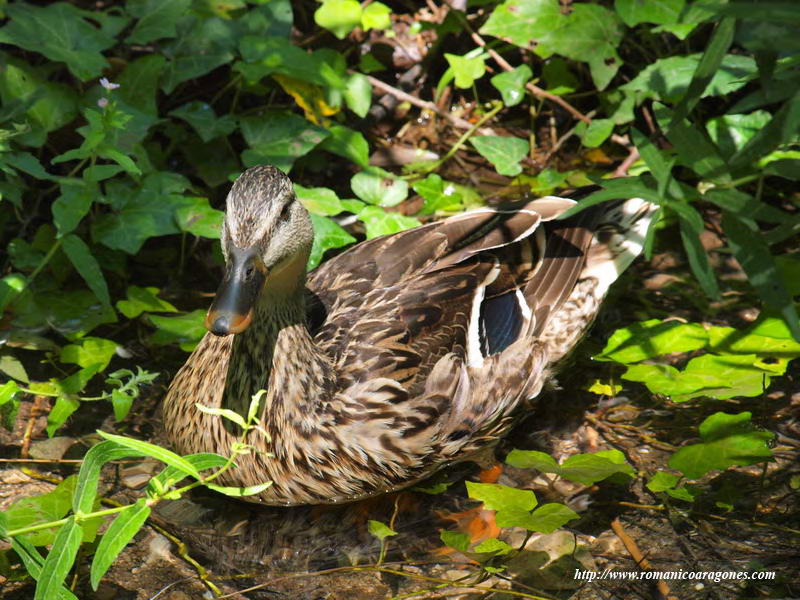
(397, 357)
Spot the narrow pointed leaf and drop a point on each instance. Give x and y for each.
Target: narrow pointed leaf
(116, 537)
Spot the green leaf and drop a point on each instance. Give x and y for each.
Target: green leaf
(379, 187)
(157, 19)
(455, 539)
(549, 517)
(662, 481)
(500, 497)
(203, 119)
(141, 213)
(782, 129)
(61, 411)
(86, 264)
(376, 16)
(380, 222)
(348, 143)
(493, 546)
(505, 153)
(756, 259)
(46, 508)
(691, 226)
(11, 366)
(279, 139)
(7, 391)
(695, 150)
(663, 12)
(119, 533)
(532, 459)
(598, 131)
(582, 468)
(10, 287)
(186, 330)
(707, 68)
(154, 451)
(380, 530)
(197, 217)
(727, 440)
(88, 477)
(170, 475)
(59, 561)
(266, 55)
(202, 44)
(511, 84)
(591, 468)
(652, 338)
(327, 235)
(358, 91)
(141, 300)
(319, 201)
(339, 17)
(668, 79)
(466, 69)
(88, 352)
(439, 195)
(59, 32)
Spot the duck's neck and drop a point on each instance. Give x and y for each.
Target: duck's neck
(277, 354)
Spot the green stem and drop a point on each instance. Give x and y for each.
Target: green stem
(43, 263)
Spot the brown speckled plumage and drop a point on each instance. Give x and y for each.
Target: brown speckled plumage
(401, 355)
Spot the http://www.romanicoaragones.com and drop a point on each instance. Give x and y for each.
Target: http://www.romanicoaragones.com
(715, 576)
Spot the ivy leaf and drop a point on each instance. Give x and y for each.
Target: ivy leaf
(279, 139)
(59, 32)
(511, 84)
(652, 338)
(203, 119)
(466, 69)
(348, 143)
(90, 351)
(157, 19)
(379, 222)
(505, 153)
(380, 530)
(141, 300)
(379, 187)
(319, 201)
(196, 216)
(727, 440)
(581, 468)
(376, 16)
(500, 497)
(358, 91)
(339, 17)
(186, 330)
(327, 235)
(439, 195)
(664, 12)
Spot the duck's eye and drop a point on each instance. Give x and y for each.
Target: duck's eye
(249, 271)
(285, 212)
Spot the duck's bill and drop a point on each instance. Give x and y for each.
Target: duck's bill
(232, 309)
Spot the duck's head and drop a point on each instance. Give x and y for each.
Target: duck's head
(266, 238)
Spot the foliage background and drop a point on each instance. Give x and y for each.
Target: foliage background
(123, 123)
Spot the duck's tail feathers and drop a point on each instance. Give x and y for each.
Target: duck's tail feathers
(619, 238)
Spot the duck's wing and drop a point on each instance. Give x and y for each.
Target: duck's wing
(470, 285)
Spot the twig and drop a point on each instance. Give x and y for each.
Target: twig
(535, 89)
(26, 438)
(622, 169)
(636, 554)
(424, 104)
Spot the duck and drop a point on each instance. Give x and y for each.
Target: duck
(397, 357)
